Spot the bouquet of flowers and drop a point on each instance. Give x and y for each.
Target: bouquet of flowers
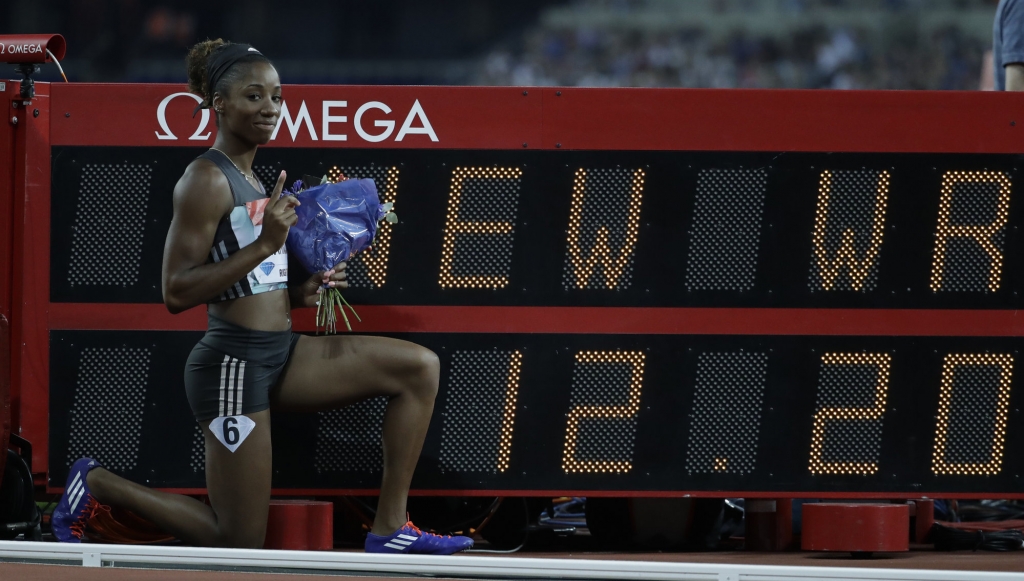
(335, 221)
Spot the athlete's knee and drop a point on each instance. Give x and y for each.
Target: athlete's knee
(428, 373)
(241, 533)
(251, 537)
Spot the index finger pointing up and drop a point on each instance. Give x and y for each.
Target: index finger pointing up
(278, 188)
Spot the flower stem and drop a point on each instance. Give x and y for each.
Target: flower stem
(327, 317)
(350, 308)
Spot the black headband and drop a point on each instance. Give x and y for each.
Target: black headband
(218, 63)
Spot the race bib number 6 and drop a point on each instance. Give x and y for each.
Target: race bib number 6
(232, 430)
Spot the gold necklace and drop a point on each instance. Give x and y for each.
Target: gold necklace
(251, 175)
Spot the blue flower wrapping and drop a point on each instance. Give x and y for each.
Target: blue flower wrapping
(335, 221)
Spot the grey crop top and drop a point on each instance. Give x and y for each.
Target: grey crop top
(241, 228)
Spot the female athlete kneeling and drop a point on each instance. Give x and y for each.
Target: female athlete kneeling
(224, 227)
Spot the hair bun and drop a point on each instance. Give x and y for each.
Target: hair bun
(196, 64)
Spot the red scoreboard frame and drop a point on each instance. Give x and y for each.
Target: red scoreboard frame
(471, 118)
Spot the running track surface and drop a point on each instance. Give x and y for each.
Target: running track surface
(18, 572)
(957, 561)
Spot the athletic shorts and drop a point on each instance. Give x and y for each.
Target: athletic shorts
(232, 369)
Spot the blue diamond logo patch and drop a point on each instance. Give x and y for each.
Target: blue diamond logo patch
(266, 267)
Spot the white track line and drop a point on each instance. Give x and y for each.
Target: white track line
(95, 555)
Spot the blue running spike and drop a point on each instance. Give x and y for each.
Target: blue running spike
(411, 540)
(76, 505)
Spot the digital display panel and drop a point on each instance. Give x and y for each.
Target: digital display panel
(636, 229)
(629, 408)
(907, 415)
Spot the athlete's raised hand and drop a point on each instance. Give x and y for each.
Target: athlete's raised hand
(278, 217)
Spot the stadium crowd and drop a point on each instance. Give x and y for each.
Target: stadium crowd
(891, 53)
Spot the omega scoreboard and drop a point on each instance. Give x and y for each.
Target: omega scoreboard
(631, 292)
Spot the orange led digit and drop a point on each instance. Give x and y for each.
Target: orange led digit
(818, 465)
(982, 234)
(940, 463)
(509, 416)
(480, 410)
(602, 253)
(846, 256)
(455, 226)
(570, 463)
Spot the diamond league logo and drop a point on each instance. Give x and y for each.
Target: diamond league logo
(415, 123)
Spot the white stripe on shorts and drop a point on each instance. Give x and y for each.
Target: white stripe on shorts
(222, 404)
(239, 387)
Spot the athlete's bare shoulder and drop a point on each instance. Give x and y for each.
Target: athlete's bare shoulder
(203, 188)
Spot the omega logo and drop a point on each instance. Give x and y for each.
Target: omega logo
(26, 48)
(161, 118)
(415, 123)
(328, 118)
